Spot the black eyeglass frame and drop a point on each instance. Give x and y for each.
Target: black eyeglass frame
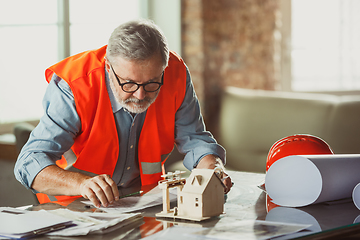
(138, 85)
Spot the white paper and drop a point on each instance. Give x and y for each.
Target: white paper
(301, 180)
(16, 223)
(92, 223)
(135, 203)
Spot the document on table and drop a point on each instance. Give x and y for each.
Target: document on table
(93, 223)
(17, 223)
(231, 229)
(133, 203)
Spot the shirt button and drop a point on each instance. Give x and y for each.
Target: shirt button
(131, 146)
(128, 168)
(132, 124)
(122, 184)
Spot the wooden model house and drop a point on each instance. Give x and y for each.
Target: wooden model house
(201, 197)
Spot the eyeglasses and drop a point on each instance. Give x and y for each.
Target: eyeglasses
(131, 87)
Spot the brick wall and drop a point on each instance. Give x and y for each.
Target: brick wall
(230, 43)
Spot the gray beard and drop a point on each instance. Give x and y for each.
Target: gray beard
(125, 103)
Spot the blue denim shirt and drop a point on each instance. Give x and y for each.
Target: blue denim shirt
(60, 125)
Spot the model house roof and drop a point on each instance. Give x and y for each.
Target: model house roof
(199, 180)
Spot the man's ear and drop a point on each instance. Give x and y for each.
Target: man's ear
(107, 65)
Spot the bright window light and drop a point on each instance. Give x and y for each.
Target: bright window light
(91, 26)
(28, 33)
(325, 45)
(30, 44)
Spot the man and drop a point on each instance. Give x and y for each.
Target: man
(120, 108)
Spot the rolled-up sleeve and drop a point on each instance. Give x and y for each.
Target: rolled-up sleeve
(54, 134)
(191, 137)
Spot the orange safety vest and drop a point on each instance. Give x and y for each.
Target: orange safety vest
(97, 145)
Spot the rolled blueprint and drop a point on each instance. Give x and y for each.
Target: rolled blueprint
(301, 180)
(356, 197)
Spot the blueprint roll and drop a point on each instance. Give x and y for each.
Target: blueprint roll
(356, 196)
(301, 180)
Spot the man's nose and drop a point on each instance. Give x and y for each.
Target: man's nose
(140, 93)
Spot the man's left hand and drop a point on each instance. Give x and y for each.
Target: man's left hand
(211, 162)
(227, 182)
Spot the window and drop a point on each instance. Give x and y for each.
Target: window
(323, 44)
(40, 33)
(36, 35)
(28, 46)
(91, 26)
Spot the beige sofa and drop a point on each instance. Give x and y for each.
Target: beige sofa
(252, 120)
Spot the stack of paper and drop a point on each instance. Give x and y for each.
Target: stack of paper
(134, 203)
(93, 223)
(17, 224)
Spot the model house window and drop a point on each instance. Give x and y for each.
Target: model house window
(322, 40)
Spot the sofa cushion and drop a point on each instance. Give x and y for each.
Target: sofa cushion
(252, 120)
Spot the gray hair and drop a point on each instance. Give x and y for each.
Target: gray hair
(137, 40)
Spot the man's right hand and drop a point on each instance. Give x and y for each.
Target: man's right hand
(100, 190)
(54, 180)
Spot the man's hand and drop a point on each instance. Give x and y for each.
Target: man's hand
(100, 190)
(211, 162)
(54, 180)
(227, 182)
